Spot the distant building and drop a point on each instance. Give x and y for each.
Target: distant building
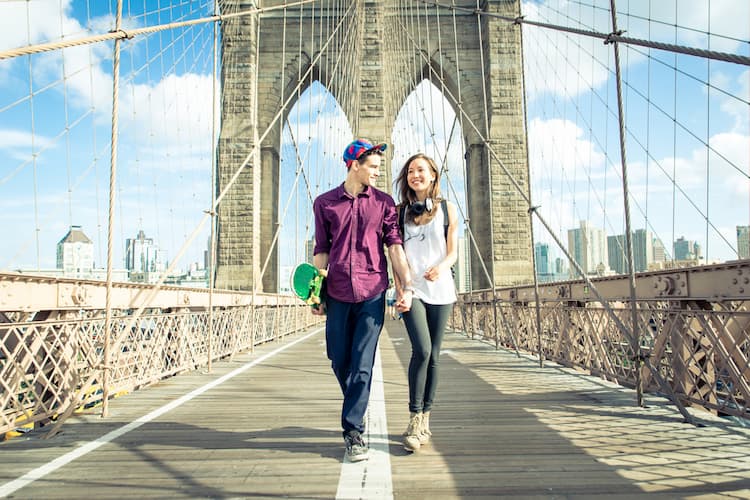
(143, 259)
(75, 254)
(616, 254)
(207, 254)
(643, 249)
(541, 256)
(686, 250)
(588, 246)
(659, 252)
(743, 242)
(561, 266)
(309, 248)
(285, 279)
(195, 277)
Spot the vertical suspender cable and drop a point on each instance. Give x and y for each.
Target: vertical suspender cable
(111, 221)
(33, 143)
(214, 166)
(635, 341)
(532, 208)
(708, 132)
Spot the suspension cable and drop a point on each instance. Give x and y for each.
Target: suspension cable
(608, 37)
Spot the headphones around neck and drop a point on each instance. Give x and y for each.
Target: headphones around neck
(420, 207)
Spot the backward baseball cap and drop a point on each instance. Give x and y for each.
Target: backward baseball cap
(358, 148)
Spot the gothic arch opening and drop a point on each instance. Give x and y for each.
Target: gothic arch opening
(315, 133)
(428, 123)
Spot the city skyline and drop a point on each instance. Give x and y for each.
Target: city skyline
(648, 252)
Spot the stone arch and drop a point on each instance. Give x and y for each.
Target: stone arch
(490, 60)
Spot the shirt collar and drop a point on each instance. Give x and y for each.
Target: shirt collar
(343, 194)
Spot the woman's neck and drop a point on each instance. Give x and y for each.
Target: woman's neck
(421, 195)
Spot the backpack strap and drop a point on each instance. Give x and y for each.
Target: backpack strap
(444, 204)
(401, 217)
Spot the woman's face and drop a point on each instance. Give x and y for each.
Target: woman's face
(419, 175)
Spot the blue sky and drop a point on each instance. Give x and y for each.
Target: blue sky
(54, 142)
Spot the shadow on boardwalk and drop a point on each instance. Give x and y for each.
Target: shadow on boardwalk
(503, 427)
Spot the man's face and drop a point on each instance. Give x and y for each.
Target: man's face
(367, 169)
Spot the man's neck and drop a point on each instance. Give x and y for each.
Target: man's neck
(353, 187)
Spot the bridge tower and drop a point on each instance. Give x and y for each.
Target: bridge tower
(484, 84)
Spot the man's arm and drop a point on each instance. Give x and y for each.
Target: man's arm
(404, 291)
(320, 260)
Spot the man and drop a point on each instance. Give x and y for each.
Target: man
(352, 223)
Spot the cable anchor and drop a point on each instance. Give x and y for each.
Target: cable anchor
(611, 36)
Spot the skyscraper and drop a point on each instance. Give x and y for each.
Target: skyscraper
(616, 253)
(588, 246)
(75, 254)
(643, 249)
(743, 242)
(660, 252)
(541, 256)
(143, 257)
(685, 249)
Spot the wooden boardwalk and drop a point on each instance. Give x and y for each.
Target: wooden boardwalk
(266, 425)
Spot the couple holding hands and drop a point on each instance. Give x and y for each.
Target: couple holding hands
(353, 223)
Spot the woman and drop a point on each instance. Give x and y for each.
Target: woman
(430, 248)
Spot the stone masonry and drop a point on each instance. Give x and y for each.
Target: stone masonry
(482, 77)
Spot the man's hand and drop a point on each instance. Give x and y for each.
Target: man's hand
(403, 301)
(319, 310)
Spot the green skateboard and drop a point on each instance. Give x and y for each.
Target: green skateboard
(308, 284)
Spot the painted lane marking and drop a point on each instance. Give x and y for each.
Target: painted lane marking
(370, 479)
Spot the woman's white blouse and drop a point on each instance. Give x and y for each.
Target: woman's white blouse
(425, 247)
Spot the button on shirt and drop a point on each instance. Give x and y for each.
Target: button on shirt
(352, 231)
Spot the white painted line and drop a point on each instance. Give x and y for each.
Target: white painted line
(38, 473)
(370, 479)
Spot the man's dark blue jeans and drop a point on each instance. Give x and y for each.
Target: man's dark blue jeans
(352, 332)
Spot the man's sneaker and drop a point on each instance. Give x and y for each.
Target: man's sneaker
(356, 449)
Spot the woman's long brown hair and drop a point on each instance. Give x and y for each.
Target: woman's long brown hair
(407, 196)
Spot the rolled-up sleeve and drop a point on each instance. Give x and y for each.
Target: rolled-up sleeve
(391, 232)
(322, 241)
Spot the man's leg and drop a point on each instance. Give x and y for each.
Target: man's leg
(367, 324)
(339, 340)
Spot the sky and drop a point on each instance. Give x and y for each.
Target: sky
(687, 129)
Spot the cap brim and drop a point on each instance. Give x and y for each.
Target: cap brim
(378, 147)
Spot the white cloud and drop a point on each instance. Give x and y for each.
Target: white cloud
(176, 111)
(16, 139)
(557, 145)
(736, 108)
(36, 21)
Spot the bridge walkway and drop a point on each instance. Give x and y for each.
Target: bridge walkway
(265, 425)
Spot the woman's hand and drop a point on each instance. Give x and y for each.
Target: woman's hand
(433, 273)
(403, 301)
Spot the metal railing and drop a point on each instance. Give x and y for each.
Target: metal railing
(693, 332)
(52, 361)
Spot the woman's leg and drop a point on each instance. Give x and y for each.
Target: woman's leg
(436, 317)
(419, 335)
